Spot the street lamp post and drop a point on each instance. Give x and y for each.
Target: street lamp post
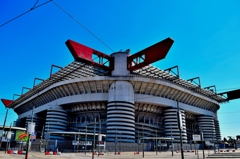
(99, 137)
(31, 129)
(120, 142)
(41, 141)
(8, 137)
(213, 140)
(46, 140)
(78, 141)
(138, 141)
(180, 129)
(171, 137)
(156, 143)
(116, 142)
(202, 143)
(86, 140)
(143, 141)
(4, 123)
(94, 131)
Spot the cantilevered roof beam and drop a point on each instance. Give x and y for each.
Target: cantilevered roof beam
(149, 55)
(231, 95)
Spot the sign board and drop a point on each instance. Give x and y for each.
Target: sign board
(9, 135)
(21, 136)
(99, 137)
(33, 136)
(31, 128)
(74, 142)
(4, 139)
(101, 143)
(85, 143)
(196, 137)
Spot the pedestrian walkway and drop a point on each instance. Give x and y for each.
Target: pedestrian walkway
(124, 155)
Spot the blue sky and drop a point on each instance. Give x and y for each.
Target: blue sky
(206, 35)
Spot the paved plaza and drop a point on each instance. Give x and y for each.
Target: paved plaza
(125, 155)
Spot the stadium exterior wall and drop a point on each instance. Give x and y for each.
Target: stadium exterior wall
(125, 105)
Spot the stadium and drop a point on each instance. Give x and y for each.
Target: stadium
(127, 97)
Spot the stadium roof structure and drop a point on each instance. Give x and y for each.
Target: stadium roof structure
(80, 70)
(84, 66)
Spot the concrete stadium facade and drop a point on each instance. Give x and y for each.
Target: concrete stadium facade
(126, 104)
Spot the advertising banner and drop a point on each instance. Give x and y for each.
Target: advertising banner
(33, 136)
(21, 136)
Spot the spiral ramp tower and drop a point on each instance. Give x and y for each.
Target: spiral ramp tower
(121, 112)
(217, 130)
(206, 126)
(56, 121)
(171, 125)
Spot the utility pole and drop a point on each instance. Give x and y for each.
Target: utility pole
(41, 143)
(143, 141)
(171, 137)
(120, 142)
(138, 141)
(78, 141)
(116, 142)
(32, 114)
(26, 156)
(94, 131)
(99, 137)
(4, 123)
(86, 140)
(46, 142)
(202, 144)
(156, 143)
(213, 144)
(180, 129)
(7, 137)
